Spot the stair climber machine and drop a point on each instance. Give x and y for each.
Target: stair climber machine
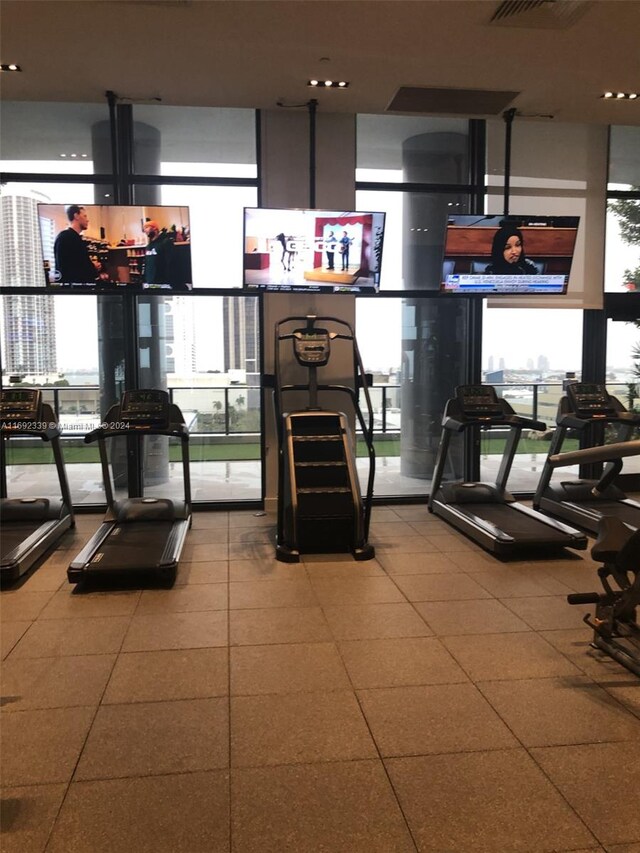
(588, 409)
(617, 548)
(139, 535)
(320, 507)
(30, 526)
(487, 512)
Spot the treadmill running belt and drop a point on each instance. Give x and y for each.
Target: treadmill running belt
(14, 533)
(132, 546)
(524, 528)
(629, 514)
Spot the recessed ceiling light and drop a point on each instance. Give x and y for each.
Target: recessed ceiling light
(10, 67)
(620, 96)
(328, 84)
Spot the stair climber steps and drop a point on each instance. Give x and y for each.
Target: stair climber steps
(311, 475)
(315, 425)
(325, 503)
(318, 451)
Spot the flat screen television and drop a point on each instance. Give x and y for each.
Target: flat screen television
(125, 246)
(318, 251)
(508, 255)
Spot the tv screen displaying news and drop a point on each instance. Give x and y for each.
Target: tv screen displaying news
(103, 246)
(508, 255)
(320, 251)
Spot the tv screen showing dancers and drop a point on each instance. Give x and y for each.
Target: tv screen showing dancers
(312, 250)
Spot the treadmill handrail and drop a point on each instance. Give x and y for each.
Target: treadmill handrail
(574, 421)
(518, 421)
(606, 453)
(179, 431)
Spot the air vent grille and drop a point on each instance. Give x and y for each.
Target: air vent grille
(468, 102)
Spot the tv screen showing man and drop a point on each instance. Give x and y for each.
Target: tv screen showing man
(72, 259)
(142, 246)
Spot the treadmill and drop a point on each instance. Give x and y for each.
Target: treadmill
(486, 512)
(139, 534)
(588, 408)
(30, 526)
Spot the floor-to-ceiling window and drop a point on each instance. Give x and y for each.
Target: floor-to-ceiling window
(418, 171)
(201, 345)
(532, 345)
(622, 275)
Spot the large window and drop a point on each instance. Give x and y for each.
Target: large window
(52, 342)
(55, 138)
(622, 270)
(216, 223)
(204, 350)
(429, 154)
(417, 170)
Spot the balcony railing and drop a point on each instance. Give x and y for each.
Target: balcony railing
(235, 410)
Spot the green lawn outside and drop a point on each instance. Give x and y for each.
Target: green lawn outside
(220, 452)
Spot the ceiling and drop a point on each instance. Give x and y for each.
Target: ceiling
(545, 58)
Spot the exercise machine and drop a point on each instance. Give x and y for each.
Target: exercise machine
(617, 548)
(615, 624)
(30, 526)
(588, 408)
(486, 512)
(320, 506)
(138, 534)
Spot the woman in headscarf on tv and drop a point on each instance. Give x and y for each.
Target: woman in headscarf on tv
(507, 253)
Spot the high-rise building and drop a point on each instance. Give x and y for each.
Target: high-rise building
(180, 335)
(28, 328)
(241, 334)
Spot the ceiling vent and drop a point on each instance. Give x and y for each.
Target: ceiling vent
(539, 14)
(468, 102)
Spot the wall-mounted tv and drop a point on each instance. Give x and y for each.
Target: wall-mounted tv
(508, 255)
(319, 251)
(106, 246)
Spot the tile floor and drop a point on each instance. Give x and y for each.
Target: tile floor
(433, 699)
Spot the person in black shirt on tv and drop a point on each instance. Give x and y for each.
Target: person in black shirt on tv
(507, 254)
(73, 263)
(158, 259)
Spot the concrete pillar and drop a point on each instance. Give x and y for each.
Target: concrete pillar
(433, 344)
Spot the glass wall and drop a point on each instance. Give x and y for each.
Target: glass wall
(205, 350)
(622, 270)
(528, 355)
(210, 372)
(216, 226)
(52, 342)
(418, 171)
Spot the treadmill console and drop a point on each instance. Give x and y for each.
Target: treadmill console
(477, 401)
(590, 400)
(312, 347)
(145, 408)
(19, 406)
